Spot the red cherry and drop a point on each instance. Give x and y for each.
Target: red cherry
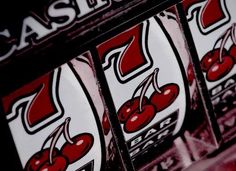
(219, 69)
(169, 93)
(139, 120)
(59, 164)
(129, 107)
(82, 143)
(39, 158)
(105, 124)
(210, 58)
(232, 52)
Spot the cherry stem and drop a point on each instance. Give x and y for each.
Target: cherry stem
(154, 83)
(66, 131)
(63, 128)
(225, 38)
(144, 90)
(53, 143)
(221, 37)
(51, 135)
(233, 36)
(141, 85)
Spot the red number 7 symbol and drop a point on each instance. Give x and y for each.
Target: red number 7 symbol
(211, 13)
(128, 52)
(37, 103)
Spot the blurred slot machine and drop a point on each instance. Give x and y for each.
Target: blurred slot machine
(113, 85)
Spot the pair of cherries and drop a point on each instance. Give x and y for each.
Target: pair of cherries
(139, 111)
(51, 159)
(217, 63)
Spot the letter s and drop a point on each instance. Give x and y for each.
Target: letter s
(63, 16)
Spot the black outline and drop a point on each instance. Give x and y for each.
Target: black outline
(115, 63)
(84, 61)
(96, 117)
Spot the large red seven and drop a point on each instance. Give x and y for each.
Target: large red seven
(129, 51)
(211, 13)
(37, 103)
